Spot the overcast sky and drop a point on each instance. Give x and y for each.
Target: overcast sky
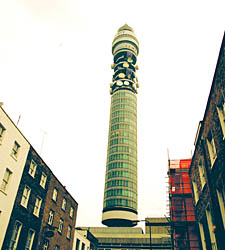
(55, 58)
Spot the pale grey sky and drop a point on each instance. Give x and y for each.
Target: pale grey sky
(55, 58)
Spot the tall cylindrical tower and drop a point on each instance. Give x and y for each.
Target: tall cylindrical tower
(120, 196)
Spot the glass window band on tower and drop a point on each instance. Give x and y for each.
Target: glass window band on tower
(120, 196)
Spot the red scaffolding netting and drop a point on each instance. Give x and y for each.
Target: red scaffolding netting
(181, 206)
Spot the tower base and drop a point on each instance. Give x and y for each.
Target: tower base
(119, 218)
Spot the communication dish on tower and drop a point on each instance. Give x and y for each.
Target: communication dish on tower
(121, 75)
(125, 65)
(126, 83)
(119, 83)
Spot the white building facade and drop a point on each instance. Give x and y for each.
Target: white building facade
(81, 242)
(14, 149)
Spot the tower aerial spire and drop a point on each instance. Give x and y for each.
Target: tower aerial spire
(120, 196)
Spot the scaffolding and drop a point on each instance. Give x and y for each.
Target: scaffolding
(183, 224)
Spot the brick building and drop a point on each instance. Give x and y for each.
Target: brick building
(207, 169)
(59, 216)
(25, 221)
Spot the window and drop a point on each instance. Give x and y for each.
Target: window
(30, 239)
(221, 198)
(45, 245)
(211, 147)
(15, 235)
(68, 236)
(77, 244)
(43, 179)
(60, 228)
(57, 247)
(82, 246)
(32, 169)
(2, 130)
(202, 236)
(37, 206)
(71, 212)
(64, 204)
(50, 217)
(210, 226)
(55, 194)
(221, 113)
(201, 172)
(25, 196)
(5, 181)
(15, 149)
(195, 190)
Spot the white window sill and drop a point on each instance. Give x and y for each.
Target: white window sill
(25, 206)
(13, 156)
(3, 192)
(37, 215)
(213, 161)
(203, 186)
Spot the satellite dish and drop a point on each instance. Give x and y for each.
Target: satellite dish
(130, 60)
(121, 75)
(111, 84)
(137, 84)
(119, 83)
(125, 65)
(126, 83)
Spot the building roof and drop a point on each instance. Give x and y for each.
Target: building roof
(125, 27)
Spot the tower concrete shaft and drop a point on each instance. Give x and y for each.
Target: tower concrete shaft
(120, 196)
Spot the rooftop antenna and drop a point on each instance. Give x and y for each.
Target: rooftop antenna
(18, 120)
(168, 155)
(43, 137)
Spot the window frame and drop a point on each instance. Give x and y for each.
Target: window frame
(221, 199)
(45, 244)
(5, 180)
(29, 242)
(51, 217)
(77, 244)
(195, 189)
(55, 194)
(15, 150)
(210, 227)
(202, 173)
(25, 196)
(31, 170)
(211, 147)
(37, 206)
(2, 132)
(43, 181)
(221, 113)
(72, 210)
(60, 227)
(69, 232)
(64, 203)
(15, 235)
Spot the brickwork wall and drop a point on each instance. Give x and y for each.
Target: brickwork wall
(214, 173)
(59, 239)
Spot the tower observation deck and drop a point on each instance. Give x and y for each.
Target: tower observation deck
(120, 196)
